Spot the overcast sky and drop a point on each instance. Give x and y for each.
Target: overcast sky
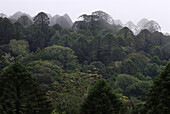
(125, 10)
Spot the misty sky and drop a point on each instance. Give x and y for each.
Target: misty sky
(125, 10)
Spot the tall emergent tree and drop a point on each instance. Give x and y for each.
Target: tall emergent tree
(20, 94)
(42, 20)
(101, 99)
(158, 101)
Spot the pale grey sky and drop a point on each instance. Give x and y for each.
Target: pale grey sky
(125, 10)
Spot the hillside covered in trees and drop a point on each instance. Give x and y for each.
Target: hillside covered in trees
(95, 66)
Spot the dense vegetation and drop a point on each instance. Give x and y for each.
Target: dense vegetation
(61, 66)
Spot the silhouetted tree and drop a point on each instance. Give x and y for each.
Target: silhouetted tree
(101, 99)
(42, 20)
(158, 100)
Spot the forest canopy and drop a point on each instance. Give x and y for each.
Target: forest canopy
(71, 70)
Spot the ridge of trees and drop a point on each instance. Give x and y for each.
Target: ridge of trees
(67, 62)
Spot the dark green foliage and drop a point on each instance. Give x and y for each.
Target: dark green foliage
(129, 67)
(65, 41)
(138, 90)
(130, 104)
(19, 47)
(143, 41)
(71, 91)
(126, 32)
(156, 60)
(49, 33)
(20, 93)
(126, 37)
(156, 51)
(166, 51)
(98, 64)
(158, 98)
(35, 37)
(65, 31)
(101, 99)
(109, 50)
(158, 38)
(6, 31)
(57, 27)
(139, 76)
(152, 70)
(54, 39)
(3, 50)
(95, 47)
(68, 103)
(45, 73)
(124, 80)
(81, 48)
(139, 108)
(42, 21)
(86, 33)
(107, 72)
(135, 63)
(18, 30)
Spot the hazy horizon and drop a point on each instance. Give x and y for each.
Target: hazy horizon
(131, 10)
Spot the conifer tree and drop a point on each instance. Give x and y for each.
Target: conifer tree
(158, 101)
(20, 94)
(101, 99)
(42, 21)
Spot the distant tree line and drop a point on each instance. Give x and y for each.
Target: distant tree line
(94, 67)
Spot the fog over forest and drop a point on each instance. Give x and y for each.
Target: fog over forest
(132, 10)
(51, 63)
